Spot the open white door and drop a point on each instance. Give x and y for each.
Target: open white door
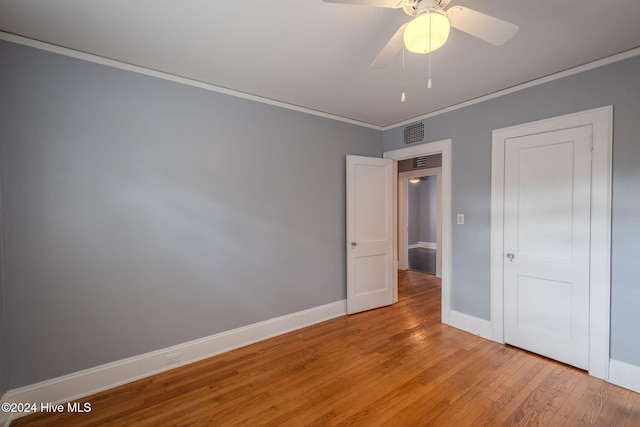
(370, 263)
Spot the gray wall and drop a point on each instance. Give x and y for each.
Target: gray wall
(427, 210)
(3, 360)
(413, 218)
(470, 129)
(141, 213)
(422, 216)
(3, 354)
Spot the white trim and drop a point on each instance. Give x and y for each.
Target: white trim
(444, 147)
(624, 375)
(84, 383)
(394, 237)
(551, 77)
(402, 228)
(423, 245)
(471, 324)
(601, 120)
(173, 78)
(427, 245)
(13, 38)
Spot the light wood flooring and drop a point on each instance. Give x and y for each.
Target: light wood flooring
(394, 366)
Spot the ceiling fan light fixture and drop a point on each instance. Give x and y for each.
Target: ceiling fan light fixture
(427, 32)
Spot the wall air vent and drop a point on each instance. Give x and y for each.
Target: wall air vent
(426, 162)
(414, 133)
(420, 162)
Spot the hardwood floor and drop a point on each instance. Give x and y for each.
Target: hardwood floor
(394, 366)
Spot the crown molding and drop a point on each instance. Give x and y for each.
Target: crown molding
(551, 77)
(25, 41)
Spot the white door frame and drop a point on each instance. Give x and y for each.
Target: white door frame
(438, 147)
(403, 216)
(601, 120)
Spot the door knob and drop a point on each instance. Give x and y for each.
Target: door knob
(510, 256)
(354, 244)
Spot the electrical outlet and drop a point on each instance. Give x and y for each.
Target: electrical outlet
(172, 358)
(460, 218)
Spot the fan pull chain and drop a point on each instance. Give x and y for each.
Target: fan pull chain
(429, 81)
(403, 97)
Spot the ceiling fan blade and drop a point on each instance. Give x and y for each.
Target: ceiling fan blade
(485, 27)
(394, 4)
(390, 50)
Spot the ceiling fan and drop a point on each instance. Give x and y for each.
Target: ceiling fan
(430, 23)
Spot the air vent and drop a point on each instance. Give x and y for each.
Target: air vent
(414, 133)
(420, 162)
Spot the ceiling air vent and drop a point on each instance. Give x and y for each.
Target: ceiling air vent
(414, 133)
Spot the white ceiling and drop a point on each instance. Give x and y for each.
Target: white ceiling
(316, 55)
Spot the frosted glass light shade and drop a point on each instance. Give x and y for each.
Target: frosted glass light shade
(417, 33)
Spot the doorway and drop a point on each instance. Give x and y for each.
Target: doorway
(420, 220)
(438, 147)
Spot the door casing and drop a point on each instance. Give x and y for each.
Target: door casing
(438, 147)
(601, 120)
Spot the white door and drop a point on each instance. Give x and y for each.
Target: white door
(370, 264)
(547, 198)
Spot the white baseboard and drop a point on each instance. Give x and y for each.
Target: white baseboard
(425, 245)
(620, 373)
(473, 325)
(84, 383)
(624, 375)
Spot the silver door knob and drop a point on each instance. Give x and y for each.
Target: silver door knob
(354, 244)
(510, 256)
